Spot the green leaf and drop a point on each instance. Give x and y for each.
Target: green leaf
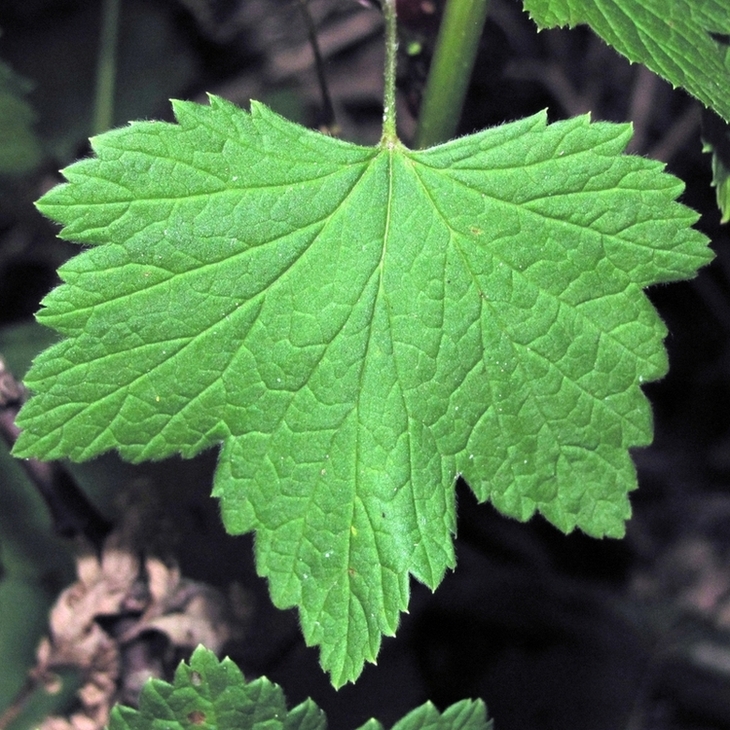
(210, 695)
(684, 41)
(358, 327)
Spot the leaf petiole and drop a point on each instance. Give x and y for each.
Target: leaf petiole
(390, 135)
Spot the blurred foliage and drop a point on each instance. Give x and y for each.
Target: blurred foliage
(20, 148)
(35, 563)
(56, 48)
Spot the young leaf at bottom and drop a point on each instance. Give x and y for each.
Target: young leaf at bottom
(208, 694)
(358, 327)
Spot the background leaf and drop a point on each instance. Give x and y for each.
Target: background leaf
(684, 41)
(34, 563)
(360, 326)
(716, 141)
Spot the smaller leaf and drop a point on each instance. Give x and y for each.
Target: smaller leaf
(208, 694)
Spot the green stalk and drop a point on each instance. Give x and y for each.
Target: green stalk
(451, 67)
(390, 135)
(106, 68)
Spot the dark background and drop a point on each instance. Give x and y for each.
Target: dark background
(553, 632)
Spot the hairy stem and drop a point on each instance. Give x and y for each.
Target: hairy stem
(106, 68)
(448, 78)
(391, 57)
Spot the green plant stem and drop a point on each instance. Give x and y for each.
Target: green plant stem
(390, 134)
(448, 78)
(106, 67)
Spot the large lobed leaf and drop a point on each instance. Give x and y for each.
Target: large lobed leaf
(684, 41)
(358, 327)
(207, 694)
